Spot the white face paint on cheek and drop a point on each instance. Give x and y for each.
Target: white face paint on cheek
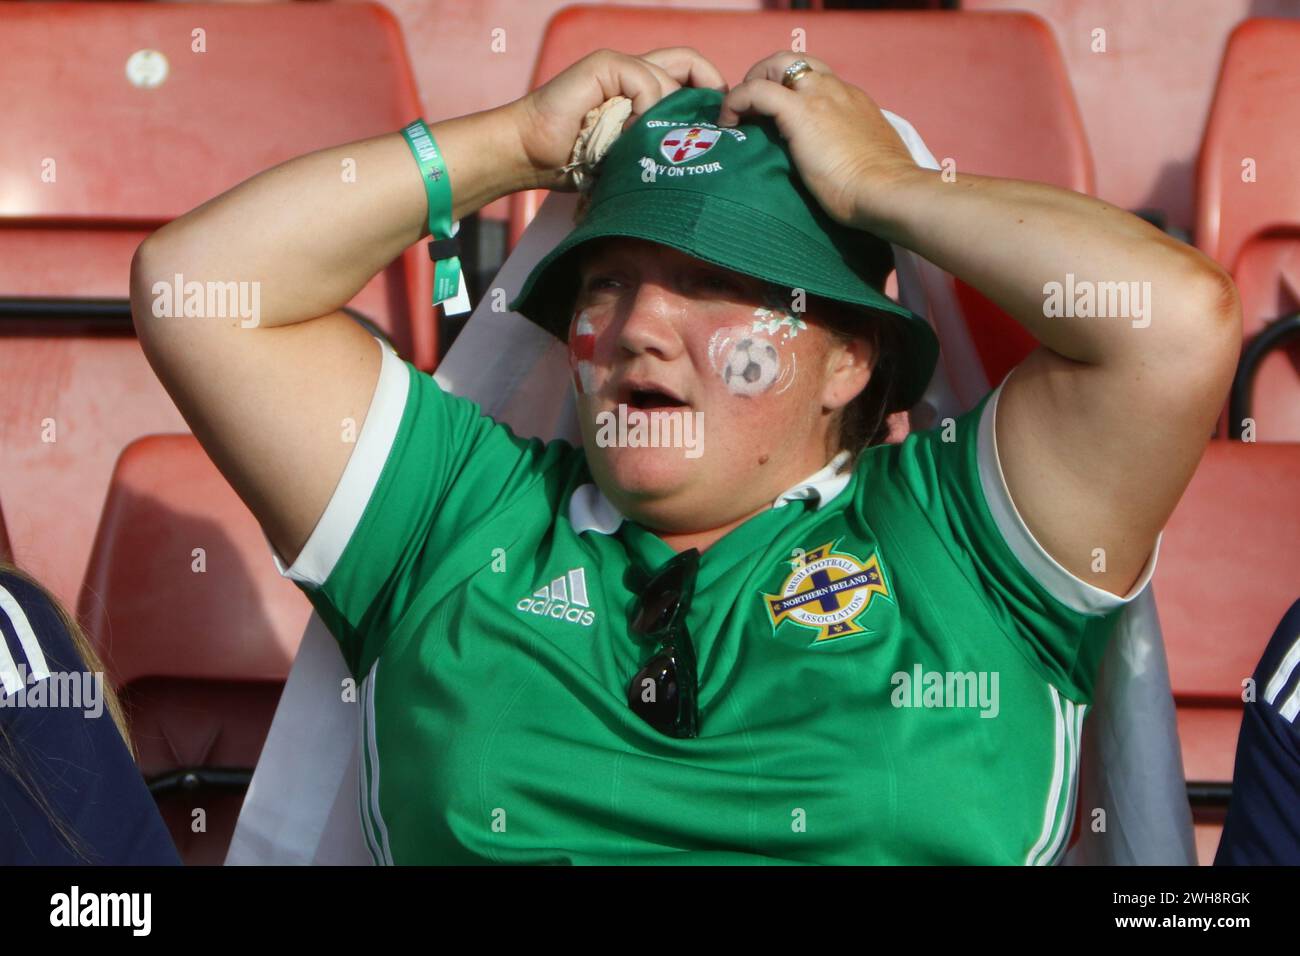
(777, 319)
(750, 363)
(582, 350)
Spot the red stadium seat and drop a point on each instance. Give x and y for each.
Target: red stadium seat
(6, 553)
(198, 631)
(1248, 215)
(1229, 568)
(100, 147)
(992, 94)
(1160, 62)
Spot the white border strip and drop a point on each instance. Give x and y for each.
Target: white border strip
(1291, 706)
(363, 779)
(385, 853)
(1072, 591)
(1054, 789)
(36, 666)
(1283, 672)
(1075, 713)
(360, 476)
(1057, 825)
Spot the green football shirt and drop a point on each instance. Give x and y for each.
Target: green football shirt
(891, 669)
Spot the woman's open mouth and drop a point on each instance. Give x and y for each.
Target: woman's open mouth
(649, 397)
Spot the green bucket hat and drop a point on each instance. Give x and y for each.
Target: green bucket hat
(731, 196)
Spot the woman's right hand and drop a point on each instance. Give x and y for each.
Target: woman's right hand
(551, 117)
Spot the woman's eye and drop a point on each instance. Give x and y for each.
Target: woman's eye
(719, 282)
(712, 281)
(596, 283)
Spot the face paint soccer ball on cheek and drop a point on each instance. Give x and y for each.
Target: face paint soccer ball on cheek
(752, 367)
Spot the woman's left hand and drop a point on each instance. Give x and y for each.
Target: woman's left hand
(844, 148)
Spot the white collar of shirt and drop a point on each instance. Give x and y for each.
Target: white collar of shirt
(590, 510)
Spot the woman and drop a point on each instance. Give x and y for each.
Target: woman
(1262, 826)
(783, 643)
(70, 791)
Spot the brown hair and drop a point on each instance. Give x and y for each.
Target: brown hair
(10, 762)
(864, 421)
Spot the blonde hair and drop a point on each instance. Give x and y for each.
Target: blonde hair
(11, 762)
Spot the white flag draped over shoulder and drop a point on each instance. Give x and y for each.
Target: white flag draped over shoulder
(302, 805)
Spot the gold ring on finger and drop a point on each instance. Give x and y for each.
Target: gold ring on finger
(794, 71)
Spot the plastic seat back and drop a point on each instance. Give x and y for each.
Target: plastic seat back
(1248, 204)
(198, 629)
(1229, 568)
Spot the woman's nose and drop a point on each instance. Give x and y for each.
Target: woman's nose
(655, 322)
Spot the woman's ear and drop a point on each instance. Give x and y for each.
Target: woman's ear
(848, 369)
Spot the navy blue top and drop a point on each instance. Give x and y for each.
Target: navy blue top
(66, 747)
(1263, 823)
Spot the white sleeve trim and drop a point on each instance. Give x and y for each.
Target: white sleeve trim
(1072, 591)
(37, 669)
(360, 476)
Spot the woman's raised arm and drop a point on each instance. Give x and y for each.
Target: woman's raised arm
(276, 393)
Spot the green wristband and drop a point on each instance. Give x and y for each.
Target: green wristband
(437, 187)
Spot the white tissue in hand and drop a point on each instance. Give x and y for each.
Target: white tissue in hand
(601, 127)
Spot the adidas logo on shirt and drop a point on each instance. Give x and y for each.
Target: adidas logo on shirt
(563, 599)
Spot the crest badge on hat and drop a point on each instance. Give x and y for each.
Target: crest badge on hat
(688, 142)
